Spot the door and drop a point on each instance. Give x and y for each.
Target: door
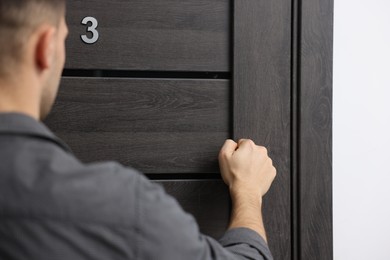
(158, 85)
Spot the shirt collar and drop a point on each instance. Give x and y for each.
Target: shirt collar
(24, 125)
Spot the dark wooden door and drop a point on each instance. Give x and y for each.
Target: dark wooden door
(158, 85)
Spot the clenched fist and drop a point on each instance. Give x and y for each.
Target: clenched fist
(246, 167)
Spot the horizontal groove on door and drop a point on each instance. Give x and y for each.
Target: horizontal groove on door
(145, 74)
(185, 176)
(207, 201)
(154, 125)
(190, 35)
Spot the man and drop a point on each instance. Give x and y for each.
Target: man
(54, 207)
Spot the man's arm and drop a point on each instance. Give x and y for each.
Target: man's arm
(165, 231)
(248, 171)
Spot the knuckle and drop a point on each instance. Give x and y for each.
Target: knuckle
(241, 140)
(223, 155)
(251, 142)
(229, 141)
(263, 150)
(274, 172)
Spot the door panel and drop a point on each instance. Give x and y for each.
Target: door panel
(150, 35)
(262, 102)
(182, 121)
(207, 200)
(141, 105)
(158, 152)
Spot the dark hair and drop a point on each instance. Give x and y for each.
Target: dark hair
(18, 20)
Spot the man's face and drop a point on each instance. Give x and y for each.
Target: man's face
(50, 89)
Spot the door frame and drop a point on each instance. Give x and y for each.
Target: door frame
(311, 55)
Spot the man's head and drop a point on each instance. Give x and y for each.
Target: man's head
(32, 52)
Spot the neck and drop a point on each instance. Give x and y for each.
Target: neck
(19, 96)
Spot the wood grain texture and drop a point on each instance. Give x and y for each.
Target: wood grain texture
(154, 125)
(151, 35)
(141, 105)
(261, 79)
(151, 152)
(208, 201)
(316, 129)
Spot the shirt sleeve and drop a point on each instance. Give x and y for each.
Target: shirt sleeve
(246, 243)
(165, 231)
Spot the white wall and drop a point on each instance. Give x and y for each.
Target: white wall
(361, 130)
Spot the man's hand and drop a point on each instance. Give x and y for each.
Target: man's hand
(248, 171)
(246, 167)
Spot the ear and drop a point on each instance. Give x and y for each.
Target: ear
(45, 48)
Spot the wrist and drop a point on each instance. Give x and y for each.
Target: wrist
(248, 197)
(245, 195)
(247, 210)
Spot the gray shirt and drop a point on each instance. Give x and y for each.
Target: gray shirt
(52, 206)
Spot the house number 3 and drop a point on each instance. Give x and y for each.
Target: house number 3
(92, 29)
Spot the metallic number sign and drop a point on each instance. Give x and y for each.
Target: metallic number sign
(91, 28)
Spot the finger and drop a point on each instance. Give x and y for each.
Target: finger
(242, 140)
(245, 143)
(228, 148)
(263, 150)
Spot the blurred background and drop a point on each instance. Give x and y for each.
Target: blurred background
(361, 130)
